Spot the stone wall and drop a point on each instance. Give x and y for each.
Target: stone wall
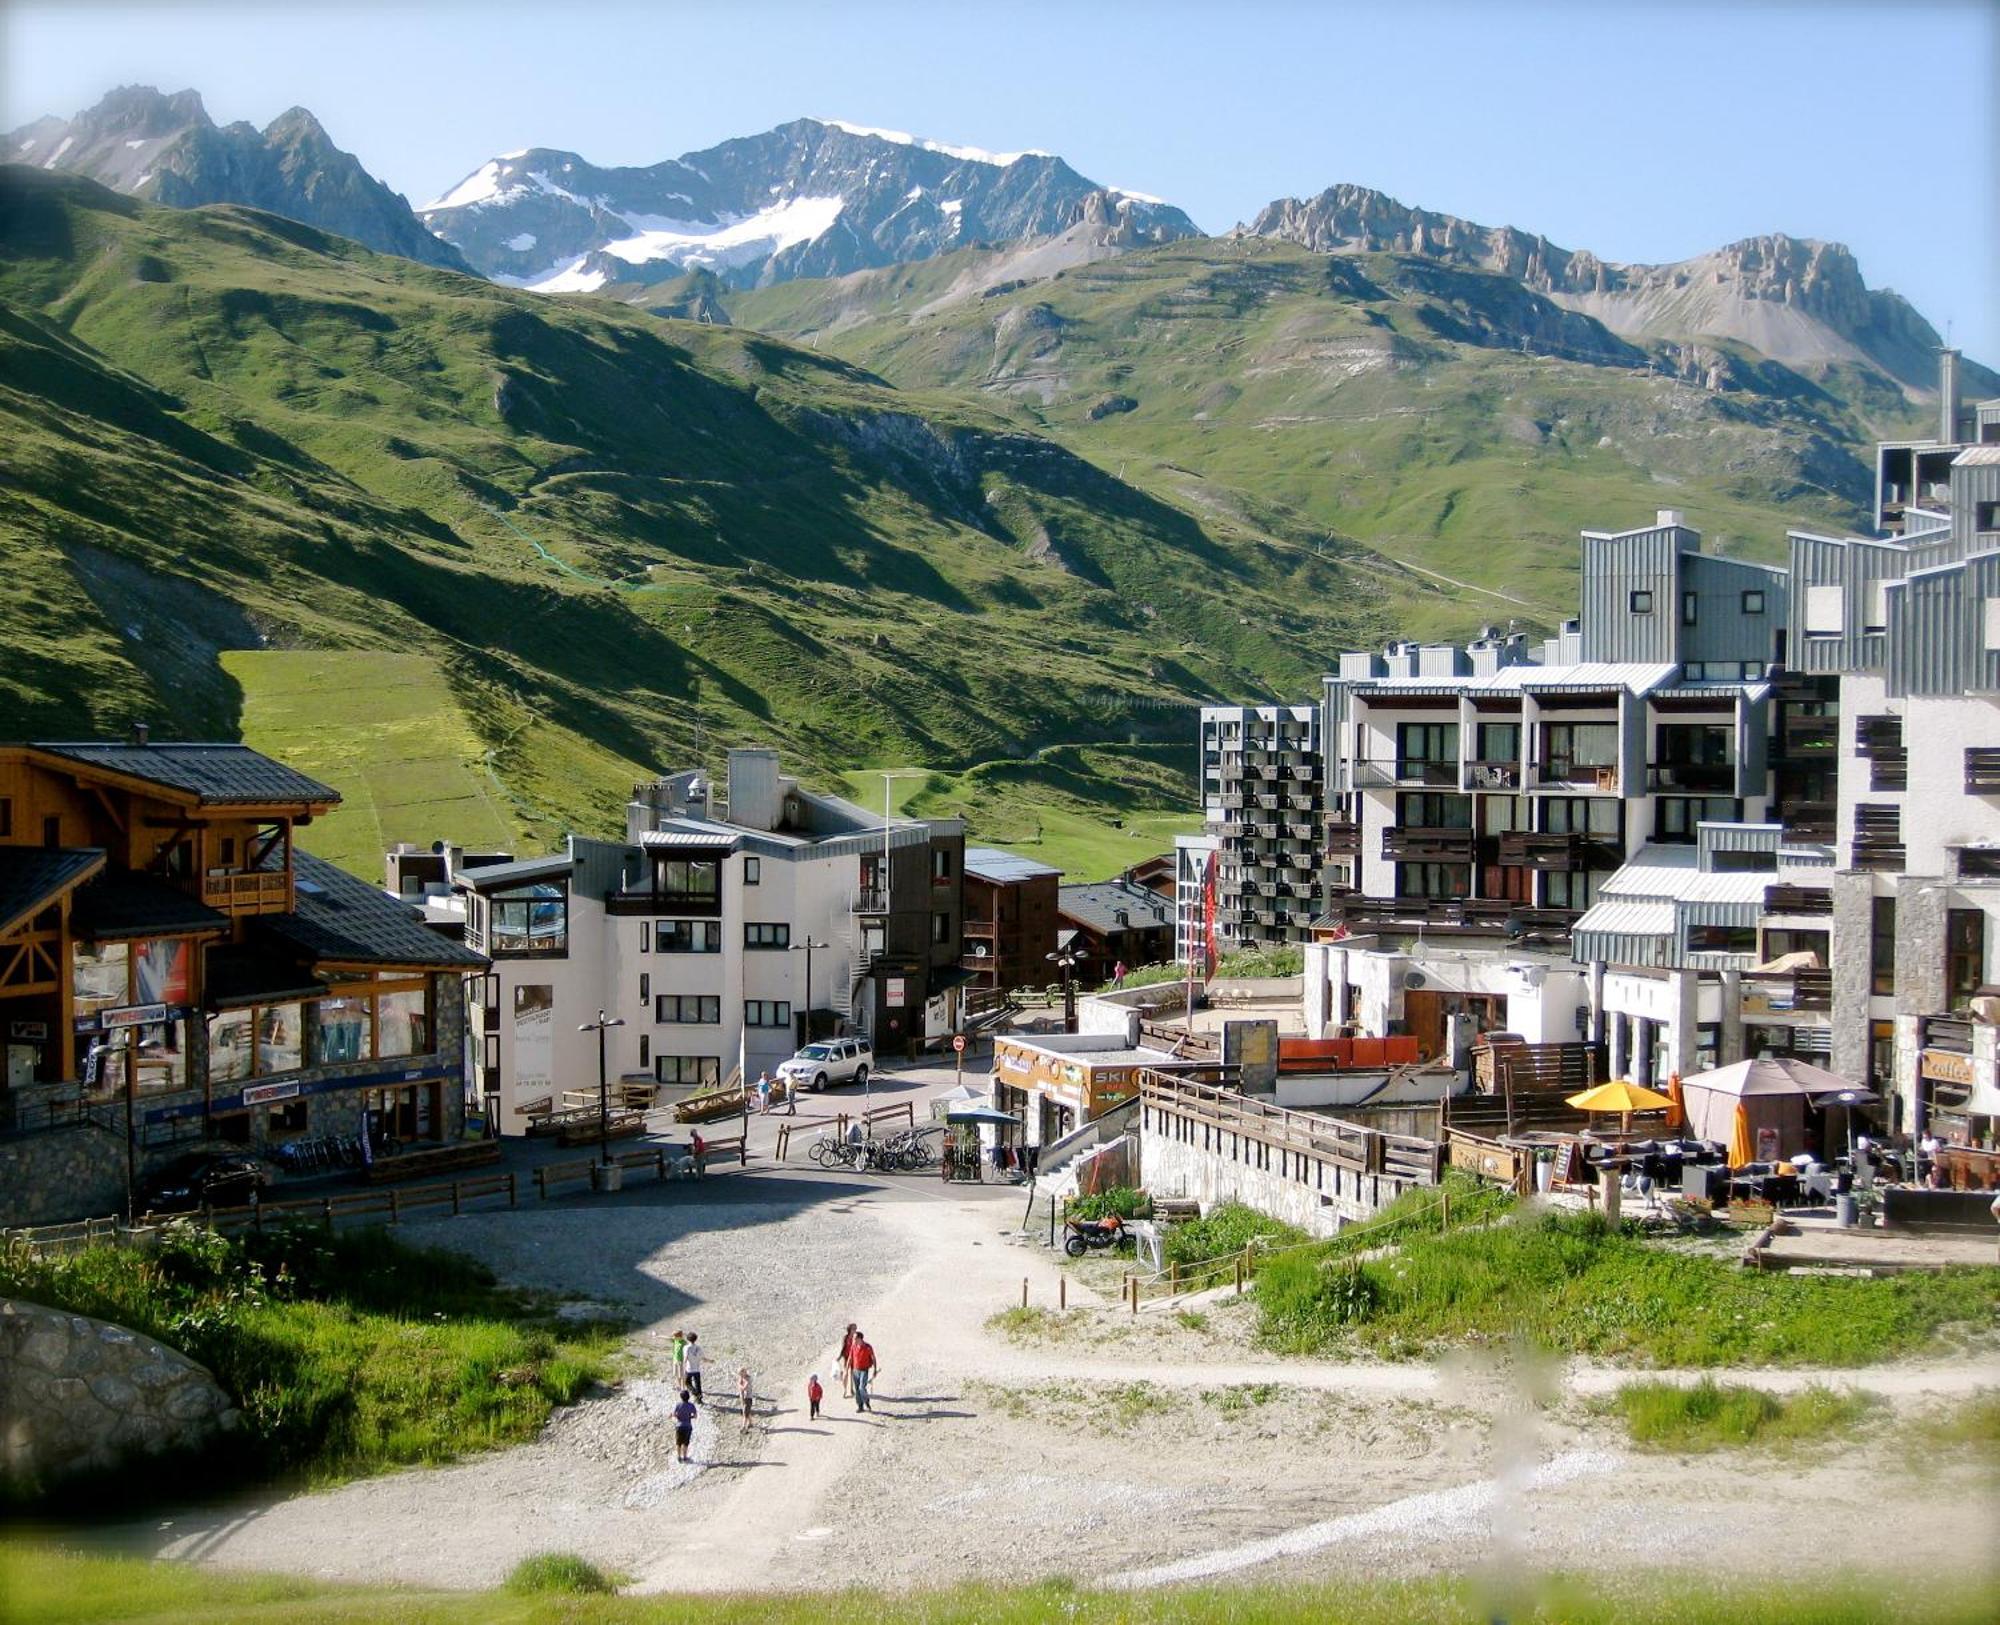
(80, 1396)
(1316, 1195)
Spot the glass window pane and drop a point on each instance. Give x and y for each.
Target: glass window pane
(402, 1023)
(231, 1058)
(280, 1037)
(345, 1030)
(100, 972)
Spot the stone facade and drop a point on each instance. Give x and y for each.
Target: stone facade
(80, 1396)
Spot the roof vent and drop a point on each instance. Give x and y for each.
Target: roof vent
(140, 733)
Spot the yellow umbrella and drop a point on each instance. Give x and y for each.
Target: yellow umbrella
(1621, 1097)
(1742, 1151)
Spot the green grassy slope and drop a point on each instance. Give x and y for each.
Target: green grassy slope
(627, 542)
(1446, 421)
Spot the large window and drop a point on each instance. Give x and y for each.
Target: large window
(1583, 815)
(256, 1041)
(367, 1021)
(403, 1022)
(1882, 947)
(344, 1029)
(1418, 809)
(1964, 955)
(766, 934)
(101, 975)
(688, 1008)
(1500, 742)
(767, 1013)
(1576, 750)
(1576, 890)
(1722, 939)
(688, 937)
(530, 920)
(697, 880)
(156, 1055)
(1427, 750)
(1433, 880)
(1675, 817)
(700, 1070)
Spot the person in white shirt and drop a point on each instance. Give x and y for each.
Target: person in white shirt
(694, 1366)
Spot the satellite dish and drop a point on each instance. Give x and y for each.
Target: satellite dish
(1413, 978)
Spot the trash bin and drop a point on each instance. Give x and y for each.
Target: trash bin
(1845, 1211)
(607, 1176)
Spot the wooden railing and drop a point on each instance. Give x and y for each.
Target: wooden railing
(1325, 1139)
(260, 891)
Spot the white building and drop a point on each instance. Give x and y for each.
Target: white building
(1262, 777)
(711, 938)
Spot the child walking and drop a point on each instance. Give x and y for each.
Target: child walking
(743, 1391)
(684, 1414)
(814, 1394)
(692, 1359)
(680, 1352)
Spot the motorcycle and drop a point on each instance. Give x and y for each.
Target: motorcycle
(1082, 1236)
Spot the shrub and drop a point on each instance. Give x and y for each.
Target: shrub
(1708, 1415)
(562, 1573)
(1122, 1200)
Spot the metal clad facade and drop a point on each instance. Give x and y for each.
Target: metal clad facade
(1971, 485)
(1616, 567)
(1722, 630)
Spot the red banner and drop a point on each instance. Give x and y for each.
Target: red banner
(1208, 918)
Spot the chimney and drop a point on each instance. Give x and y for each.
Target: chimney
(1669, 517)
(141, 733)
(1948, 396)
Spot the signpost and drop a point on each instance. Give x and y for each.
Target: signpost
(958, 1058)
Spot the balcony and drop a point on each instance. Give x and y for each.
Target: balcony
(1807, 736)
(1800, 992)
(1889, 768)
(1557, 774)
(1535, 927)
(1406, 770)
(1982, 771)
(1696, 778)
(1878, 838)
(1417, 843)
(1811, 820)
(1343, 837)
(1494, 775)
(261, 891)
(1797, 900)
(869, 900)
(1552, 852)
(1951, 1034)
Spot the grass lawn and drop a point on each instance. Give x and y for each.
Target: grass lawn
(386, 731)
(47, 1585)
(1568, 1284)
(1715, 1416)
(347, 1353)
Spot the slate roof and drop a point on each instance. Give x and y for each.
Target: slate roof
(32, 877)
(346, 920)
(125, 904)
(1003, 867)
(214, 774)
(1096, 906)
(236, 976)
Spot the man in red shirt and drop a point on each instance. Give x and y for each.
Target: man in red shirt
(864, 1371)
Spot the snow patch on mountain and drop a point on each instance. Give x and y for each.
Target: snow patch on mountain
(480, 186)
(728, 241)
(521, 242)
(902, 138)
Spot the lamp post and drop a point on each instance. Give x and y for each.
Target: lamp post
(599, 1026)
(807, 948)
(1066, 961)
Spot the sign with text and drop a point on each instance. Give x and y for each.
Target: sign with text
(896, 990)
(1942, 1066)
(133, 1015)
(264, 1093)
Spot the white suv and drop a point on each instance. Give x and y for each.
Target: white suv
(835, 1060)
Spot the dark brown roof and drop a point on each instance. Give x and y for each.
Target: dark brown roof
(236, 976)
(341, 919)
(212, 773)
(32, 877)
(123, 904)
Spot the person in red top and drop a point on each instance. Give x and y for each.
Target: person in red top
(864, 1364)
(814, 1394)
(846, 1361)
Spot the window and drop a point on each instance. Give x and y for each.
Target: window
(403, 1023)
(531, 920)
(1986, 516)
(1991, 609)
(1675, 817)
(292, 1117)
(1826, 611)
(645, 1049)
(645, 986)
(645, 938)
(688, 1009)
(940, 863)
(940, 928)
(1500, 742)
(1964, 955)
(1577, 891)
(6, 816)
(227, 856)
(1753, 601)
(693, 880)
(766, 934)
(700, 1070)
(1878, 607)
(1744, 862)
(1427, 751)
(1573, 750)
(1583, 815)
(52, 832)
(1418, 809)
(1690, 608)
(1640, 602)
(1439, 880)
(344, 1029)
(1722, 939)
(767, 1013)
(688, 936)
(99, 974)
(255, 1041)
(753, 871)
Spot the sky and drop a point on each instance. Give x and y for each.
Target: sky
(1640, 131)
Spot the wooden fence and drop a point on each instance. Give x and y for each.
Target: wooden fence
(906, 1110)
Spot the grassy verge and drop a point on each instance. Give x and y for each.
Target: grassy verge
(48, 1586)
(347, 1353)
(1571, 1285)
(1708, 1415)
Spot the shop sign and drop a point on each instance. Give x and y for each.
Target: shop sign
(1011, 1062)
(897, 991)
(263, 1093)
(28, 1029)
(133, 1015)
(1945, 1067)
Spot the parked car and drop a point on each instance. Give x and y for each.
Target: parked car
(835, 1060)
(204, 1181)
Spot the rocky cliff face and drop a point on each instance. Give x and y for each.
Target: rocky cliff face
(1796, 300)
(167, 148)
(808, 199)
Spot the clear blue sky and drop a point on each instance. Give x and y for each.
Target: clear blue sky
(1639, 131)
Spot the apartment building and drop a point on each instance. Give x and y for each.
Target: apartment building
(1263, 778)
(721, 937)
(1010, 920)
(176, 976)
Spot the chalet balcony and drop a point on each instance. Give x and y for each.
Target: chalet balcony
(260, 891)
(1417, 843)
(1343, 837)
(1982, 771)
(1797, 900)
(1878, 852)
(1698, 778)
(1553, 852)
(1540, 927)
(1889, 768)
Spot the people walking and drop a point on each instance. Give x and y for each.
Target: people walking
(743, 1393)
(680, 1359)
(845, 1365)
(684, 1415)
(814, 1394)
(698, 1150)
(694, 1367)
(863, 1361)
(764, 1093)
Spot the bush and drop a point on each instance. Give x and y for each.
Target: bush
(1709, 1416)
(1227, 1228)
(1253, 963)
(1123, 1200)
(1305, 1298)
(562, 1573)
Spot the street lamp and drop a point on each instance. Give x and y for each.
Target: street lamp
(1066, 960)
(599, 1027)
(806, 948)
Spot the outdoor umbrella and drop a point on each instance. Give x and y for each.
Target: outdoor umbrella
(1741, 1152)
(1677, 1112)
(1770, 1092)
(1621, 1097)
(982, 1114)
